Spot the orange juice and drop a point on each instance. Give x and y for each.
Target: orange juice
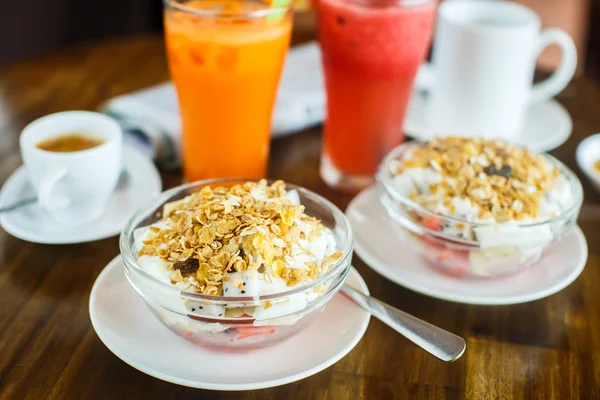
(225, 58)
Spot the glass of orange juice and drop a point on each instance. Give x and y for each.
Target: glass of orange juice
(225, 58)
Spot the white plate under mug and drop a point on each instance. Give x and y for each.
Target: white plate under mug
(387, 249)
(136, 336)
(547, 126)
(140, 183)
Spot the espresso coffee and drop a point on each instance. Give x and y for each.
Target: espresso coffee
(69, 143)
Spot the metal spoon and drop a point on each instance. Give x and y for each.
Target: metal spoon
(30, 200)
(440, 343)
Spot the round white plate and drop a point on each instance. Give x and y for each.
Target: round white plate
(32, 224)
(134, 335)
(547, 125)
(386, 248)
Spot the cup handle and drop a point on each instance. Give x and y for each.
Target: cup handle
(424, 79)
(48, 197)
(564, 73)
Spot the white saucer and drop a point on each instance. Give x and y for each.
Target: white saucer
(134, 335)
(32, 224)
(384, 246)
(548, 124)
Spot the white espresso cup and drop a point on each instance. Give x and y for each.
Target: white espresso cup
(481, 76)
(73, 187)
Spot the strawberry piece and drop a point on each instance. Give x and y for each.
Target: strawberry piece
(432, 223)
(460, 258)
(247, 331)
(432, 242)
(460, 271)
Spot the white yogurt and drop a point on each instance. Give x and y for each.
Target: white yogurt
(255, 284)
(508, 236)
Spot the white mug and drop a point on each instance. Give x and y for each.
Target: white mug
(481, 77)
(73, 187)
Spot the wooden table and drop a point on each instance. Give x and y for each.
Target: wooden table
(546, 349)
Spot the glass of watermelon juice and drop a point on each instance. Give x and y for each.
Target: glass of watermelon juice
(371, 52)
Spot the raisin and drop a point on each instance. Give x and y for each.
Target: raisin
(187, 267)
(505, 171)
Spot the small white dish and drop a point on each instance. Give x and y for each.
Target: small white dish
(134, 335)
(32, 224)
(587, 155)
(386, 248)
(548, 124)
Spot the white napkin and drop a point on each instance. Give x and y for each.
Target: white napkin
(150, 117)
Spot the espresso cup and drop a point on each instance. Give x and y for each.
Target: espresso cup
(73, 187)
(481, 76)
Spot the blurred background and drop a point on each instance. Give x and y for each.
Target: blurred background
(33, 27)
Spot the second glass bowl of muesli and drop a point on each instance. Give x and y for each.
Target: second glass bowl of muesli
(235, 264)
(479, 207)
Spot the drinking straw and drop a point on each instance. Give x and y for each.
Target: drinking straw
(277, 15)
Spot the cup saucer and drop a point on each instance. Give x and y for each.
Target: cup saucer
(32, 224)
(134, 335)
(547, 125)
(383, 245)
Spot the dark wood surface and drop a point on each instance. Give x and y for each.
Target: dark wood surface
(545, 349)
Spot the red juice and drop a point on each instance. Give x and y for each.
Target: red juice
(371, 52)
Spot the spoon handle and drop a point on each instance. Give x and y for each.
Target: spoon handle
(440, 343)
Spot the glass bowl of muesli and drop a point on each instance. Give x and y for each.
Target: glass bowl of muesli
(234, 264)
(479, 207)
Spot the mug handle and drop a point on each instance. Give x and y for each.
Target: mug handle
(424, 78)
(564, 73)
(49, 199)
